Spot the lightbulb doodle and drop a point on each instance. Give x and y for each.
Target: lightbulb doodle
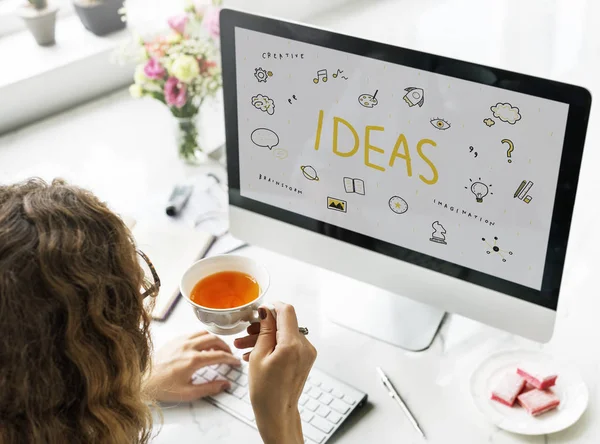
(414, 96)
(368, 100)
(511, 148)
(309, 173)
(440, 124)
(479, 190)
(264, 104)
(439, 233)
(398, 205)
(495, 249)
(262, 75)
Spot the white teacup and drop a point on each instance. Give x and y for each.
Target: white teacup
(228, 321)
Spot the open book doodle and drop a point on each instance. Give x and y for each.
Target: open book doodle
(354, 185)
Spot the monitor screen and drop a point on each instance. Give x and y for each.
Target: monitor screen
(451, 174)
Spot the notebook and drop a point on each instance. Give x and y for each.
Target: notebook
(172, 248)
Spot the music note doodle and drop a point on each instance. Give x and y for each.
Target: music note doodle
(321, 75)
(339, 71)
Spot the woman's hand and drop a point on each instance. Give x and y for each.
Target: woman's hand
(279, 366)
(176, 362)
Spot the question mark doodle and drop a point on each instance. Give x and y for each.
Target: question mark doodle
(471, 150)
(511, 148)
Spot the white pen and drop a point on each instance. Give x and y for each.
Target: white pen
(394, 394)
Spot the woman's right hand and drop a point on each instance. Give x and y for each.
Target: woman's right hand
(279, 365)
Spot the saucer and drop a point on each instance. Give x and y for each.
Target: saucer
(569, 387)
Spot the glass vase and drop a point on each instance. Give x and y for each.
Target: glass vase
(187, 138)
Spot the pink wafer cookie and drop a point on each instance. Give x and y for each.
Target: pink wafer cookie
(537, 379)
(507, 390)
(537, 401)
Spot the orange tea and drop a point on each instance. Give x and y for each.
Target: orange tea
(227, 289)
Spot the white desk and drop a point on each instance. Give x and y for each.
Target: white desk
(123, 150)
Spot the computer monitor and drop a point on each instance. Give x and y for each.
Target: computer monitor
(443, 181)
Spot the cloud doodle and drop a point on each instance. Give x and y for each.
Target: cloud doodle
(506, 112)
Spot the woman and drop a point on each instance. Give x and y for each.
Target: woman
(75, 352)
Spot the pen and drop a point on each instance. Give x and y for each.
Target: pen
(394, 394)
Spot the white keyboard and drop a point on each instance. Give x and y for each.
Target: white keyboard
(324, 405)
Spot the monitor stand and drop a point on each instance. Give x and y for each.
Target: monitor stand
(380, 314)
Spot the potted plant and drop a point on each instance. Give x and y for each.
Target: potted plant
(41, 21)
(100, 17)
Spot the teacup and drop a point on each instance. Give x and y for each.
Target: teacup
(228, 321)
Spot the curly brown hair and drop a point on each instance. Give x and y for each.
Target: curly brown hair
(74, 334)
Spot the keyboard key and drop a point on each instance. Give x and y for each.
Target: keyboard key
(211, 375)
(235, 404)
(233, 375)
(321, 424)
(325, 399)
(312, 405)
(246, 399)
(214, 366)
(314, 393)
(243, 380)
(220, 378)
(201, 371)
(338, 394)
(312, 433)
(323, 411)
(334, 417)
(339, 406)
(303, 400)
(315, 382)
(306, 416)
(240, 392)
(326, 388)
(223, 369)
(348, 400)
(232, 388)
(197, 380)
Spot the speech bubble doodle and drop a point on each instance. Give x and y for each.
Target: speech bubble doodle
(506, 112)
(264, 137)
(280, 153)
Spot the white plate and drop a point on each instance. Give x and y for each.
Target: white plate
(570, 388)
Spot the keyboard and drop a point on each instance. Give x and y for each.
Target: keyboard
(325, 403)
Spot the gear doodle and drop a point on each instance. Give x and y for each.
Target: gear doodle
(262, 75)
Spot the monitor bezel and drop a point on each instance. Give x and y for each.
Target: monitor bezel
(578, 99)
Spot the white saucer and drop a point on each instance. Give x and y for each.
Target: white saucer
(570, 388)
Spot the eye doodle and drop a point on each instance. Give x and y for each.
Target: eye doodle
(440, 124)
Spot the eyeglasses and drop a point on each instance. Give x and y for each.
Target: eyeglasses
(151, 282)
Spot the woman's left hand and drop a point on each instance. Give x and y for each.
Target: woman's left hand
(174, 364)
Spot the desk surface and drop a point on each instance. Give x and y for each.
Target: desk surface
(123, 150)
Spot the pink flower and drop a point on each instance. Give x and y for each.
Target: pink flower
(211, 22)
(178, 22)
(154, 70)
(175, 92)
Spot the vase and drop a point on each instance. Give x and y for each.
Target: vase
(100, 17)
(41, 23)
(187, 138)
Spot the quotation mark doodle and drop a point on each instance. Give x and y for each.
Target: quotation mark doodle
(293, 97)
(471, 150)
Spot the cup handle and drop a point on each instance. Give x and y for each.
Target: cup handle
(256, 318)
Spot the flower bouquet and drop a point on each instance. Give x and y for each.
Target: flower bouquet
(181, 69)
